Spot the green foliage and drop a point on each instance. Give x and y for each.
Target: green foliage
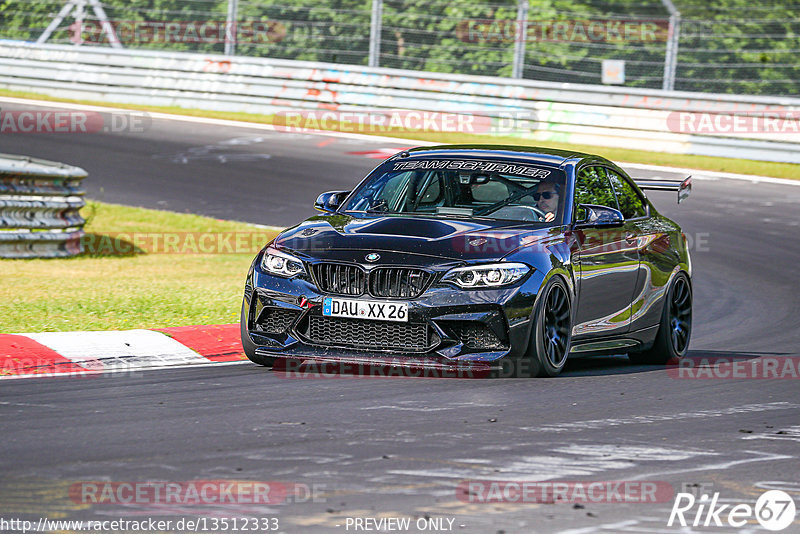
(593, 187)
(740, 47)
(630, 204)
(334, 31)
(107, 292)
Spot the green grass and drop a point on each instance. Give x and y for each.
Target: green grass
(110, 291)
(740, 166)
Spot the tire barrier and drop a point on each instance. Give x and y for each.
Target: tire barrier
(40, 204)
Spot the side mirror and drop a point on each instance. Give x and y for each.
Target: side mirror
(330, 201)
(593, 216)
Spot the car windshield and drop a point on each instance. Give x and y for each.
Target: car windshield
(463, 188)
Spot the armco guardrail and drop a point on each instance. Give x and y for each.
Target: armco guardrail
(567, 113)
(39, 208)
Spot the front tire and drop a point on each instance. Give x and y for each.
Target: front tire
(248, 345)
(551, 332)
(675, 329)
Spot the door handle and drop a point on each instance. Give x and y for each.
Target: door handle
(630, 237)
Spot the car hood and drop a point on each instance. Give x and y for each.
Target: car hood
(409, 240)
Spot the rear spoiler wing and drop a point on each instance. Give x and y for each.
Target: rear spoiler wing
(683, 187)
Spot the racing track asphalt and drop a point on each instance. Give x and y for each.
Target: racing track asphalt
(394, 447)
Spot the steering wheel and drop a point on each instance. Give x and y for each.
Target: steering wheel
(539, 213)
(512, 212)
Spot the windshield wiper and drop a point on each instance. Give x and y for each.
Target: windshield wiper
(454, 211)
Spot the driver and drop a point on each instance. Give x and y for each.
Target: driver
(546, 196)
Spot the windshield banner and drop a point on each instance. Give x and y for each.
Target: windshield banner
(471, 165)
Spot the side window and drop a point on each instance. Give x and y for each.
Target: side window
(630, 203)
(392, 188)
(592, 187)
(432, 194)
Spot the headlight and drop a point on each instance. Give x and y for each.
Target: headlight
(492, 275)
(281, 264)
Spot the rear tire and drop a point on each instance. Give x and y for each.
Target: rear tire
(675, 329)
(248, 345)
(551, 332)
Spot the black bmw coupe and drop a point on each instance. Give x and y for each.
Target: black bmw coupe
(495, 257)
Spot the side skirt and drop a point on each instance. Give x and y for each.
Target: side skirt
(638, 340)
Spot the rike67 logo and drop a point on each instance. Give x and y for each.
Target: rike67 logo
(774, 510)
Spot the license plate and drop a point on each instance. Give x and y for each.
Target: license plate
(365, 309)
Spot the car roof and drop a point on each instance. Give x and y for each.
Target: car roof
(551, 156)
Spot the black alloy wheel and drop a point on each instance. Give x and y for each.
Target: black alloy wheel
(675, 330)
(551, 332)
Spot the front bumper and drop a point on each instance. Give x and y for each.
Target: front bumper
(448, 328)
